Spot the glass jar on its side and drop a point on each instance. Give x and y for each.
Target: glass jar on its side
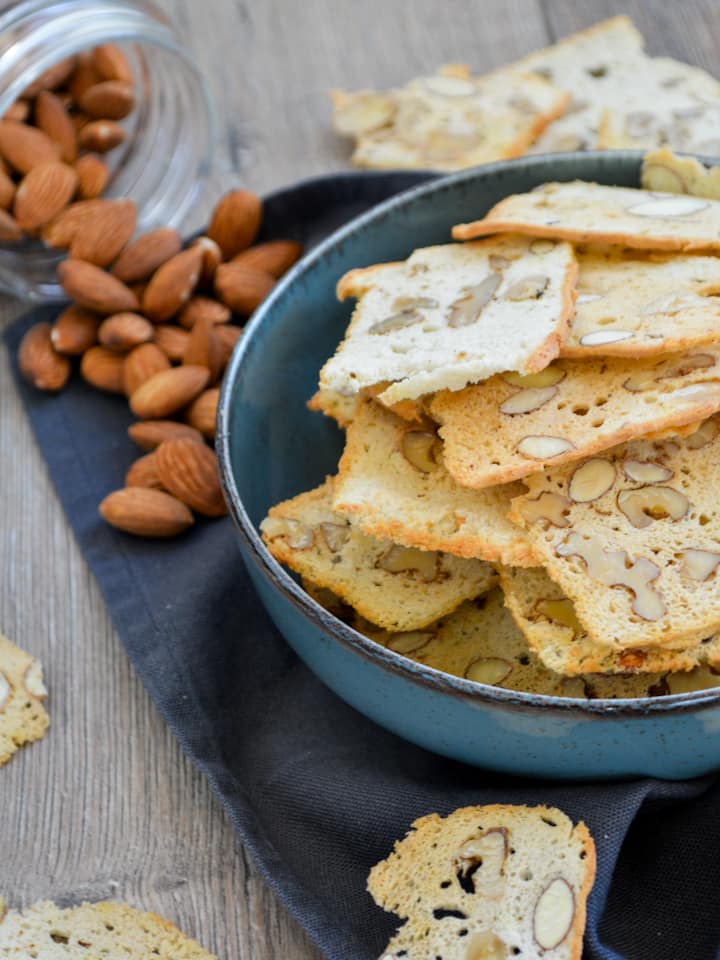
(165, 161)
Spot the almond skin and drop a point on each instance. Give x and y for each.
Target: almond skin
(275, 257)
(17, 112)
(52, 118)
(74, 331)
(123, 331)
(142, 363)
(43, 193)
(203, 308)
(228, 335)
(7, 190)
(172, 341)
(189, 471)
(9, 229)
(84, 75)
(202, 412)
(94, 289)
(26, 147)
(61, 230)
(93, 176)
(172, 285)
(103, 369)
(51, 78)
(149, 434)
(241, 288)
(108, 100)
(40, 364)
(168, 391)
(99, 136)
(110, 63)
(204, 350)
(146, 513)
(212, 258)
(101, 238)
(144, 473)
(143, 256)
(235, 222)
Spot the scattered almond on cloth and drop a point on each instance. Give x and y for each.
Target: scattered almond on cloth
(156, 321)
(23, 718)
(113, 931)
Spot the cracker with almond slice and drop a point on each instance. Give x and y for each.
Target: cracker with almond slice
(634, 306)
(665, 172)
(555, 635)
(392, 484)
(632, 537)
(453, 314)
(594, 213)
(23, 718)
(395, 587)
(449, 120)
(511, 427)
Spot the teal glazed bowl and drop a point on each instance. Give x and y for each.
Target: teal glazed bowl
(271, 448)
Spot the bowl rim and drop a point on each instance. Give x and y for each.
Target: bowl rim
(281, 581)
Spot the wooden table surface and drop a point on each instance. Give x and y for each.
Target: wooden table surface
(107, 805)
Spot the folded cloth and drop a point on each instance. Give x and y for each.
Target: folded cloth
(317, 792)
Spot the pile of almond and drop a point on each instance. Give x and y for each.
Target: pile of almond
(50, 139)
(157, 322)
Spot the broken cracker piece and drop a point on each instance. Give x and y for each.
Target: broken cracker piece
(23, 718)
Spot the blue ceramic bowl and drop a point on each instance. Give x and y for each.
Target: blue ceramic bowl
(271, 448)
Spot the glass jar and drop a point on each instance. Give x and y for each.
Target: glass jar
(164, 163)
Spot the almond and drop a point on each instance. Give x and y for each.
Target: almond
(7, 190)
(61, 230)
(275, 257)
(172, 341)
(93, 176)
(172, 285)
(84, 75)
(10, 232)
(242, 288)
(202, 412)
(203, 308)
(51, 78)
(146, 513)
(235, 222)
(108, 100)
(102, 368)
(228, 336)
(111, 63)
(149, 434)
(123, 331)
(103, 236)
(203, 349)
(39, 362)
(74, 331)
(212, 258)
(26, 147)
(144, 473)
(43, 193)
(17, 112)
(142, 363)
(100, 136)
(53, 119)
(168, 391)
(95, 289)
(143, 256)
(189, 471)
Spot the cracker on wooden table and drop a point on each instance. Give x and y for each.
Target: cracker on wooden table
(113, 931)
(632, 537)
(23, 717)
(550, 625)
(664, 172)
(488, 882)
(395, 587)
(510, 427)
(634, 305)
(448, 121)
(480, 641)
(454, 314)
(392, 484)
(594, 213)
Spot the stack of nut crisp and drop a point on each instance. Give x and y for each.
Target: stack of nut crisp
(528, 491)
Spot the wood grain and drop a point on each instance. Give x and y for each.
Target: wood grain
(107, 805)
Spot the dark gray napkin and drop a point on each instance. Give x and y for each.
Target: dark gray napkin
(316, 791)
